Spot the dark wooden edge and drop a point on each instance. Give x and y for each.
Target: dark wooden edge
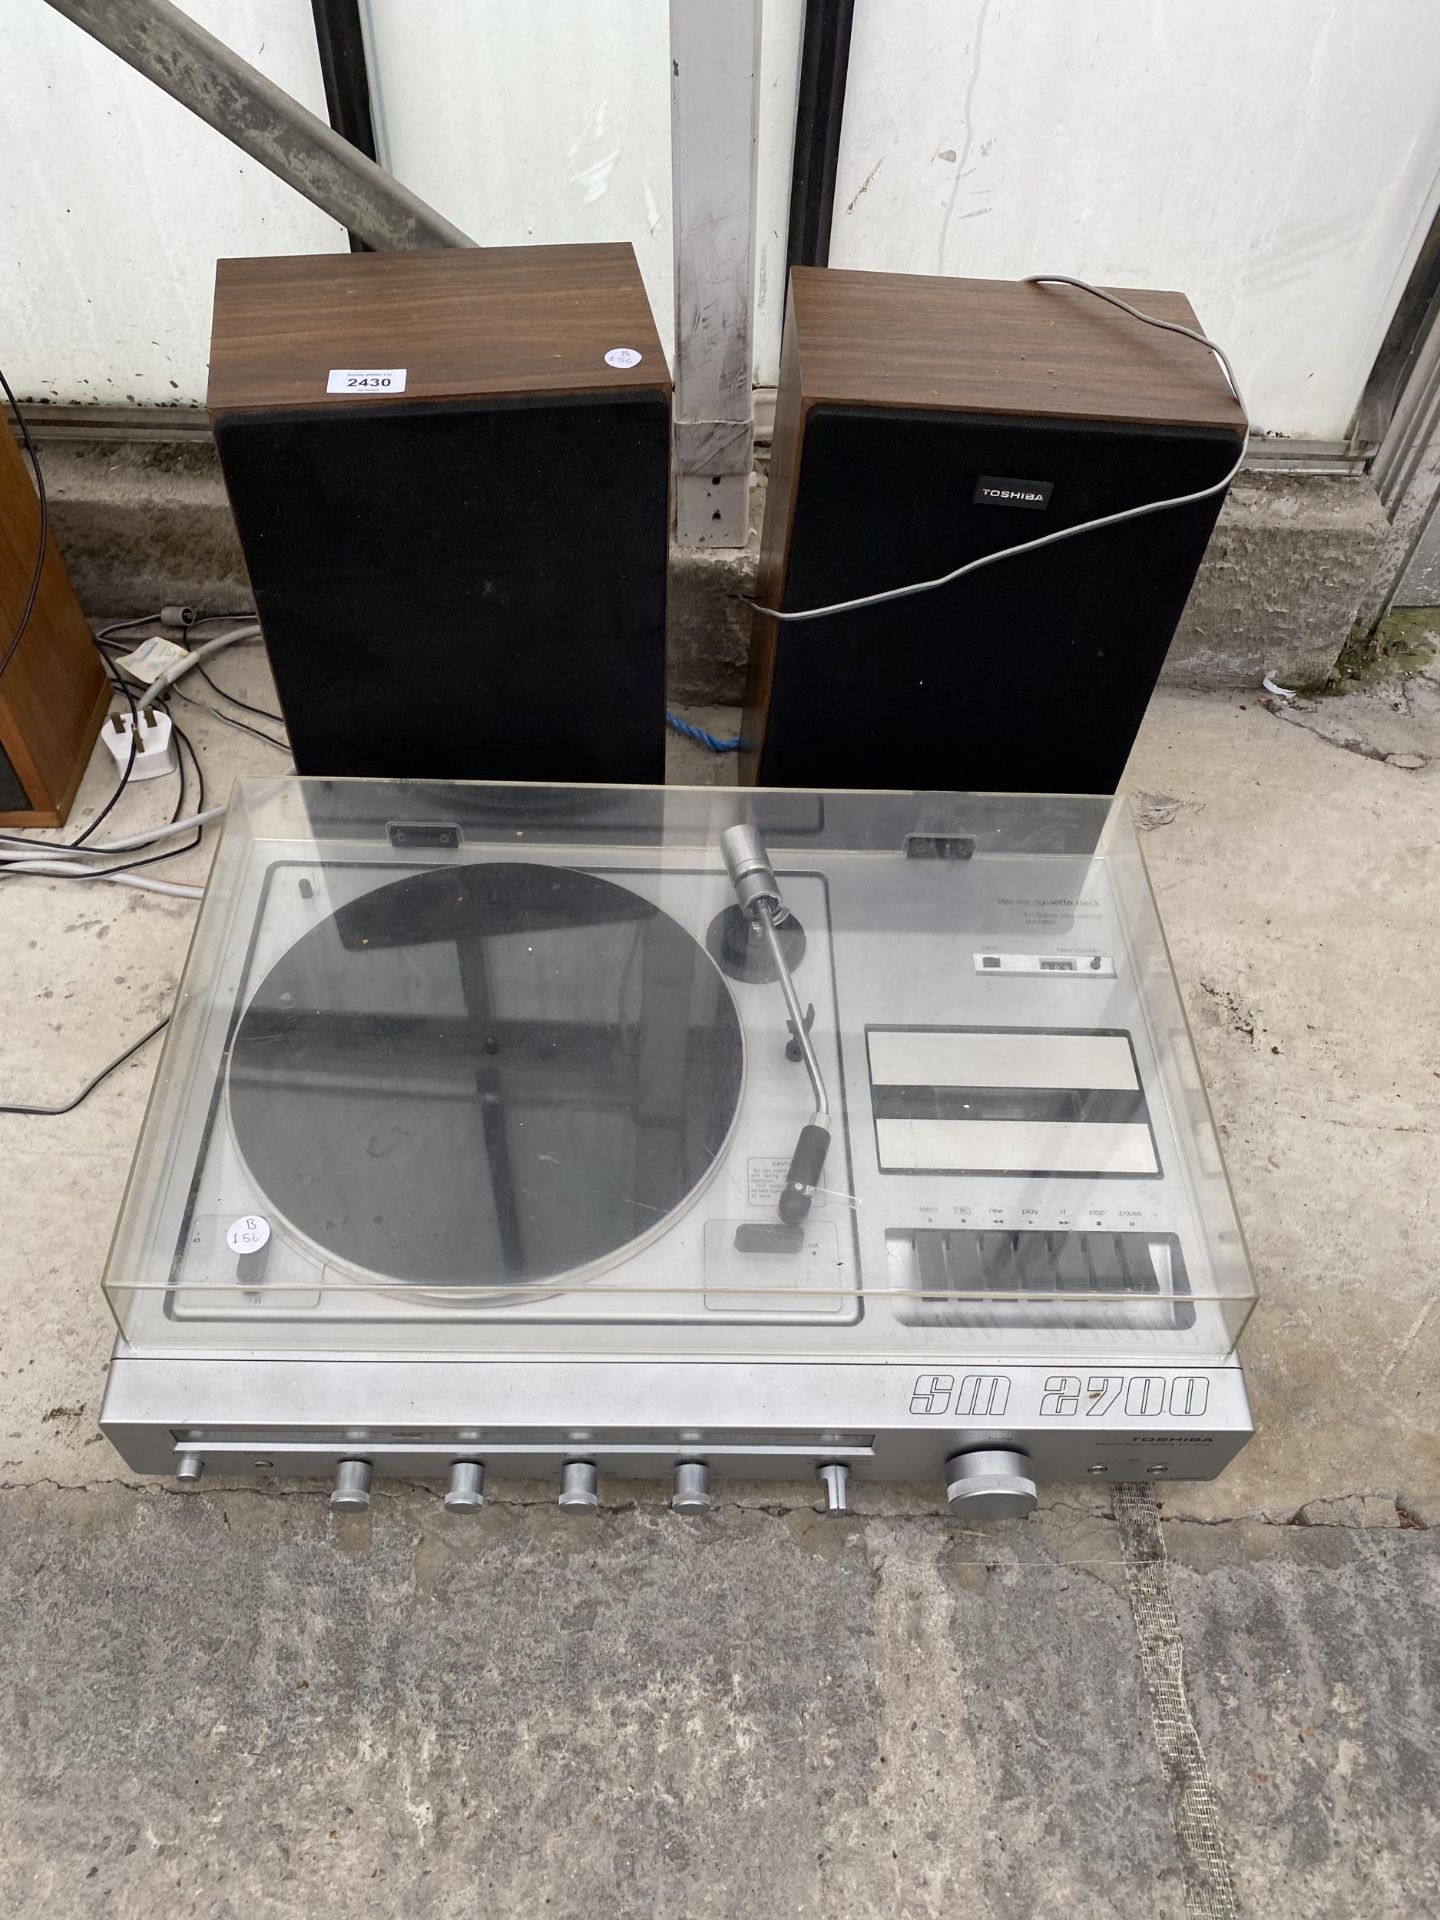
(54, 689)
(653, 374)
(817, 291)
(54, 810)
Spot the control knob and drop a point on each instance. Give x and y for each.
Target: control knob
(579, 1487)
(692, 1488)
(466, 1490)
(351, 1492)
(994, 1484)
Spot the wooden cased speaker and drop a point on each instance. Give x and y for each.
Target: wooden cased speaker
(53, 688)
(450, 475)
(922, 423)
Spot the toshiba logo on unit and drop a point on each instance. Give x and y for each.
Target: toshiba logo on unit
(990, 492)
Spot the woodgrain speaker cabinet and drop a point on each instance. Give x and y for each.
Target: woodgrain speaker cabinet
(923, 422)
(450, 474)
(54, 689)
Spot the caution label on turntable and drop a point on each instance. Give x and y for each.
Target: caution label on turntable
(766, 1175)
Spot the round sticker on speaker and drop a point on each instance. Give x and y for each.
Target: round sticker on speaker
(248, 1234)
(623, 357)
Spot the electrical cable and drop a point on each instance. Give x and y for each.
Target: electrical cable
(129, 766)
(250, 631)
(67, 861)
(165, 683)
(69, 1106)
(126, 845)
(199, 814)
(41, 859)
(50, 853)
(66, 850)
(119, 626)
(129, 866)
(1061, 533)
(121, 877)
(228, 719)
(38, 570)
(261, 713)
(711, 740)
(122, 782)
(193, 658)
(116, 681)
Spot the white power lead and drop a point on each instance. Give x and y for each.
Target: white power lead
(154, 747)
(192, 657)
(1219, 486)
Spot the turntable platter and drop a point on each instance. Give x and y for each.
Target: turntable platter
(486, 1074)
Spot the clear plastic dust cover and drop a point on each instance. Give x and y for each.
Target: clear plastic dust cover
(487, 1070)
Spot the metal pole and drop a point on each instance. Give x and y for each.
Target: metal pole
(203, 74)
(714, 101)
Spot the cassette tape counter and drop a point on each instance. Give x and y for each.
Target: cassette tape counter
(677, 1133)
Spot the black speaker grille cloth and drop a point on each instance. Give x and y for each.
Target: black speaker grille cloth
(462, 590)
(1031, 675)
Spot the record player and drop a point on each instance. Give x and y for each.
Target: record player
(682, 1133)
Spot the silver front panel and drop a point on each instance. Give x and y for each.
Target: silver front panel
(763, 1421)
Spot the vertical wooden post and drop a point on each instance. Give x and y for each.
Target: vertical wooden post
(714, 108)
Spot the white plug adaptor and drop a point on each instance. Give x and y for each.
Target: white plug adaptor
(154, 747)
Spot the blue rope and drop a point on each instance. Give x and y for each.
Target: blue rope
(704, 739)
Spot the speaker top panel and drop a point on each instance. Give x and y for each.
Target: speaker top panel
(365, 329)
(1000, 347)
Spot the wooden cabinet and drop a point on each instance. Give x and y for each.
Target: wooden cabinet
(54, 690)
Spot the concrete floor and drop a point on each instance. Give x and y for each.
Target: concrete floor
(237, 1703)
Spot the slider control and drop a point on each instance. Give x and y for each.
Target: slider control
(834, 1478)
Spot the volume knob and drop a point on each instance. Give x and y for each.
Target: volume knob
(994, 1484)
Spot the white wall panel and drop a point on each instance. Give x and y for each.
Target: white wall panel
(551, 124)
(1278, 160)
(115, 204)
